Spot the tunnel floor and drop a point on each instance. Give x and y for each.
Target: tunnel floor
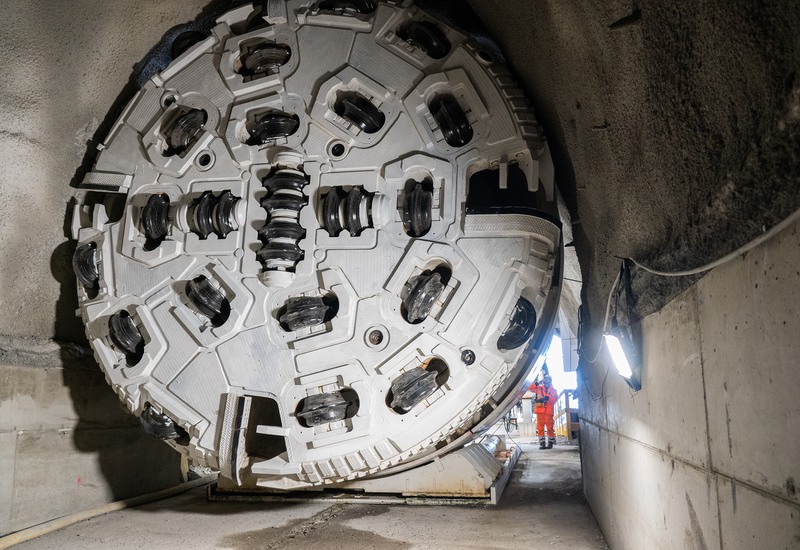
(543, 505)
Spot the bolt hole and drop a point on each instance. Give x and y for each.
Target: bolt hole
(485, 57)
(337, 150)
(204, 160)
(168, 100)
(376, 337)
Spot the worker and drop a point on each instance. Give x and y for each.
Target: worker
(544, 400)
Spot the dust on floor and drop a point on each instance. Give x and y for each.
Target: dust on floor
(543, 505)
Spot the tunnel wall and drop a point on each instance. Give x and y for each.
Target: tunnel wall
(65, 443)
(706, 455)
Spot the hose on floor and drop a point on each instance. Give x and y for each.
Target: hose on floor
(59, 523)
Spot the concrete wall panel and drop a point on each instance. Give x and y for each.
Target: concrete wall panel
(669, 411)
(653, 480)
(751, 350)
(67, 445)
(655, 501)
(662, 500)
(8, 444)
(34, 397)
(50, 476)
(595, 469)
(51, 479)
(752, 520)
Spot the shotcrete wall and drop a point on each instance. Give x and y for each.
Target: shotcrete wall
(706, 455)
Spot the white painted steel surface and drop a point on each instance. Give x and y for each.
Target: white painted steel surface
(234, 385)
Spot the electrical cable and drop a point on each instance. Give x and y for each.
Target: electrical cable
(605, 319)
(59, 523)
(514, 441)
(602, 385)
(777, 228)
(600, 347)
(608, 303)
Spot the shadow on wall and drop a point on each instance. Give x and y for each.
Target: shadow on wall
(131, 462)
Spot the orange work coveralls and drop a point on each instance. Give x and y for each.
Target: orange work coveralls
(544, 411)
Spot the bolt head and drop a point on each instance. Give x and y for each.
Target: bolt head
(467, 356)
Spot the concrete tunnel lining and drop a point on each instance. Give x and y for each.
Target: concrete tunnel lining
(674, 130)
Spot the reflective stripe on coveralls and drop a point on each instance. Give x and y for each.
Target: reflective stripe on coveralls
(543, 420)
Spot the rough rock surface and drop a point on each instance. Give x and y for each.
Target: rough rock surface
(674, 126)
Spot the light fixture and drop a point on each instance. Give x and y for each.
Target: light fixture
(619, 349)
(618, 355)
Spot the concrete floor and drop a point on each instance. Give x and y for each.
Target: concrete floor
(543, 506)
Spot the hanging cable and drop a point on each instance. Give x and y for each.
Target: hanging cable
(615, 291)
(605, 319)
(728, 257)
(777, 228)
